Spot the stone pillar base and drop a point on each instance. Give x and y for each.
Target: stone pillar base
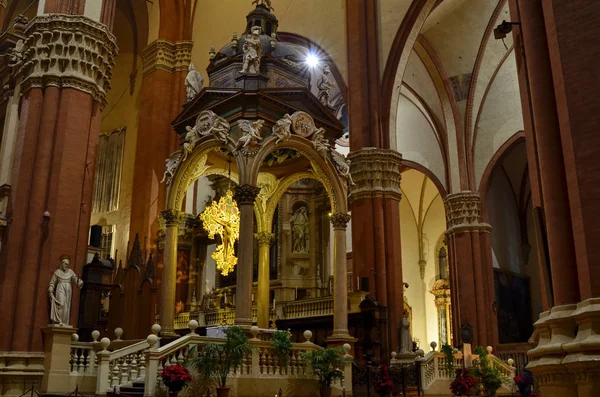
(57, 350)
(567, 359)
(19, 371)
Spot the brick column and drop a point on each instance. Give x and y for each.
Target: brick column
(53, 167)
(471, 269)
(165, 65)
(375, 202)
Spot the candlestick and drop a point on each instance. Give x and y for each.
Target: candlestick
(273, 303)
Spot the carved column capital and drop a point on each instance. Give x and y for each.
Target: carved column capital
(167, 55)
(86, 66)
(340, 221)
(172, 217)
(376, 174)
(264, 238)
(463, 212)
(3, 3)
(246, 194)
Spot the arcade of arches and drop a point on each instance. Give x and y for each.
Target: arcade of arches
(426, 161)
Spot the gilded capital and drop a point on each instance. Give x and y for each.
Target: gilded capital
(86, 66)
(246, 194)
(463, 212)
(172, 217)
(167, 55)
(376, 174)
(340, 221)
(264, 239)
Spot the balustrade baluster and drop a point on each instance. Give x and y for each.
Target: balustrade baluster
(142, 360)
(116, 372)
(124, 370)
(72, 361)
(86, 362)
(134, 367)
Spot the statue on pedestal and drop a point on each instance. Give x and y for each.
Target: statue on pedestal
(325, 85)
(193, 83)
(60, 292)
(252, 52)
(406, 341)
(300, 230)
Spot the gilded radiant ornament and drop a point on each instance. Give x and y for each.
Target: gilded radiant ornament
(223, 218)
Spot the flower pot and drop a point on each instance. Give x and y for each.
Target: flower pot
(222, 392)
(325, 391)
(173, 393)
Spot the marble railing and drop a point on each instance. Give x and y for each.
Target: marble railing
(434, 368)
(308, 308)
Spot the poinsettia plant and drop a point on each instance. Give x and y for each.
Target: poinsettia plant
(524, 383)
(462, 384)
(175, 377)
(383, 383)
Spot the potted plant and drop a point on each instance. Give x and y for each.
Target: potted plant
(524, 383)
(282, 346)
(175, 377)
(488, 374)
(383, 383)
(462, 383)
(216, 360)
(327, 365)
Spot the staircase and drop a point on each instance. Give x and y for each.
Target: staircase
(135, 390)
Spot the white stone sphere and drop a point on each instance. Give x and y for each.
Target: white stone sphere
(105, 342)
(95, 335)
(511, 362)
(347, 348)
(254, 330)
(74, 337)
(308, 335)
(118, 332)
(489, 349)
(420, 352)
(193, 324)
(152, 339)
(156, 329)
(433, 345)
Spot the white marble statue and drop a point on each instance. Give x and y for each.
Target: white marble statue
(193, 83)
(325, 85)
(300, 231)
(60, 292)
(281, 129)
(342, 165)
(320, 143)
(406, 341)
(171, 166)
(207, 123)
(252, 51)
(250, 140)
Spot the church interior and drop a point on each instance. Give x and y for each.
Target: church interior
(410, 182)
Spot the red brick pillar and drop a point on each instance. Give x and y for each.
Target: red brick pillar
(53, 169)
(545, 151)
(374, 200)
(163, 92)
(572, 29)
(471, 269)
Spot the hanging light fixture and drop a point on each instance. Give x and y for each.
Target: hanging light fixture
(223, 218)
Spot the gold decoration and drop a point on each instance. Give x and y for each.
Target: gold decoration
(223, 218)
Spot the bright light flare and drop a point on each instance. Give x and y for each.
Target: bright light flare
(312, 60)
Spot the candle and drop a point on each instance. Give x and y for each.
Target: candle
(296, 296)
(273, 303)
(357, 283)
(226, 297)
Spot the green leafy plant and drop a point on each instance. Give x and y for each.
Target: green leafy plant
(216, 360)
(449, 353)
(327, 364)
(487, 372)
(282, 346)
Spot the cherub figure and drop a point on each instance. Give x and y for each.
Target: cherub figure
(171, 166)
(320, 143)
(252, 52)
(251, 136)
(342, 165)
(281, 129)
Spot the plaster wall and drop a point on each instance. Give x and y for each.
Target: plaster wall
(122, 111)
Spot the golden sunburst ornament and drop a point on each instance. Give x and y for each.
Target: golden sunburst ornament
(223, 218)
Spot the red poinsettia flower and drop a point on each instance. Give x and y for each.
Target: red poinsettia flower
(175, 377)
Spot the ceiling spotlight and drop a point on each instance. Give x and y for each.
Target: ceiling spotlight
(503, 29)
(311, 60)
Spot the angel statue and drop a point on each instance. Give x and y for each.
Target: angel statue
(342, 165)
(320, 143)
(171, 166)
(251, 136)
(207, 123)
(60, 292)
(193, 83)
(252, 51)
(281, 129)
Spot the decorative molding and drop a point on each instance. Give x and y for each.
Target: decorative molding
(172, 217)
(167, 55)
(340, 221)
(376, 174)
(3, 3)
(463, 212)
(68, 51)
(246, 194)
(264, 238)
(441, 291)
